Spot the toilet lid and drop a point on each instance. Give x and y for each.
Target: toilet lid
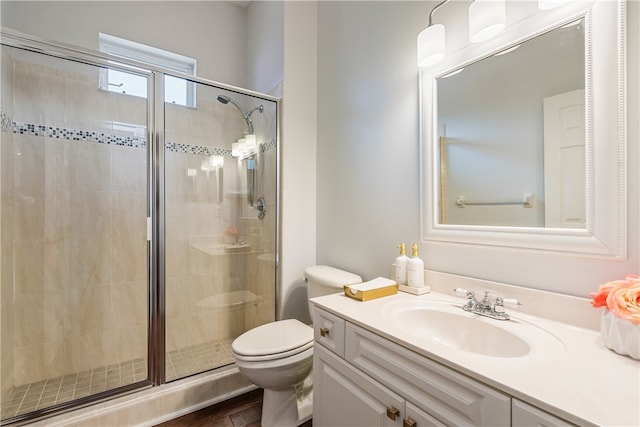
(273, 338)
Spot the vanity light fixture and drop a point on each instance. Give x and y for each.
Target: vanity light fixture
(237, 148)
(250, 141)
(245, 146)
(431, 41)
(486, 19)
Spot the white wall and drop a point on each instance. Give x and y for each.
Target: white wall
(368, 162)
(298, 155)
(368, 152)
(265, 50)
(213, 32)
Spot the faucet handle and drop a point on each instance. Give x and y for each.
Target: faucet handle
(511, 302)
(463, 293)
(485, 300)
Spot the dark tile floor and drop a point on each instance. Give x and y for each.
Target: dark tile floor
(241, 411)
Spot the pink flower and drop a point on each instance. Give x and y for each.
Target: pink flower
(600, 297)
(621, 297)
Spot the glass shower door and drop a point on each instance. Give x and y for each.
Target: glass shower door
(73, 181)
(221, 221)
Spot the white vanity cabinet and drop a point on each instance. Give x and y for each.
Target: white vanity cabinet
(393, 352)
(379, 383)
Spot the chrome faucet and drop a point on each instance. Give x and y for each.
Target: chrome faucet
(484, 307)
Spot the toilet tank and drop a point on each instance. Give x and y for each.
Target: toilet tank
(325, 280)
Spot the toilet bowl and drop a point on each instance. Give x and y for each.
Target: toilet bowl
(278, 356)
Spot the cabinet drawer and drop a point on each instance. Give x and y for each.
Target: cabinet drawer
(444, 394)
(418, 418)
(328, 330)
(524, 414)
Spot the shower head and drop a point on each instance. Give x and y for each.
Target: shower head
(246, 116)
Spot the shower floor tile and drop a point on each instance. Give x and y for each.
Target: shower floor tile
(43, 394)
(46, 393)
(198, 358)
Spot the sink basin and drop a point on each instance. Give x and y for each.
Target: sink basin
(447, 324)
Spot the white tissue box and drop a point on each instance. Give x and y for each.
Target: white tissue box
(376, 288)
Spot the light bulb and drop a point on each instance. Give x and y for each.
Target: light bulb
(235, 149)
(486, 19)
(250, 141)
(431, 45)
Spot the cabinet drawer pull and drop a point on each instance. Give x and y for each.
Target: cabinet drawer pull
(392, 413)
(409, 422)
(324, 332)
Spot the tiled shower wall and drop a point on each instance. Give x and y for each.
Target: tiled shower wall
(6, 235)
(74, 272)
(197, 212)
(73, 225)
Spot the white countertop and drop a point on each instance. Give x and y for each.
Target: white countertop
(580, 381)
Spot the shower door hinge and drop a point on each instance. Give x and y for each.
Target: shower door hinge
(149, 228)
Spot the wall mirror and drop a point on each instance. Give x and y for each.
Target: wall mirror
(524, 140)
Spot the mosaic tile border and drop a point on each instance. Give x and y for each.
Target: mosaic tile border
(8, 125)
(199, 150)
(269, 145)
(78, 135)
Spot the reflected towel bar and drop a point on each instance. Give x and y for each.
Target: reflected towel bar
(525, 202)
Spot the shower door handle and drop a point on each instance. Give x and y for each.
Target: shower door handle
(261, 206)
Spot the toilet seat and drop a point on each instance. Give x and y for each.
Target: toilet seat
(275, 340)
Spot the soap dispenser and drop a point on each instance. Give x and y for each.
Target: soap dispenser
(415, 269)
(401, 265)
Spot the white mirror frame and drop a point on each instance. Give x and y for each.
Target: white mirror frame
(605, 235)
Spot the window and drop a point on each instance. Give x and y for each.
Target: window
(177, 90)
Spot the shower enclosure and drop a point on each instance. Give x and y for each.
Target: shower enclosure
(138, 237)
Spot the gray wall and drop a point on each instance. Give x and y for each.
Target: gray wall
(368, 153)
(368, 162)
(213, 32)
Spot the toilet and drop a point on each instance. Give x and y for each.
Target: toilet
(278, 356)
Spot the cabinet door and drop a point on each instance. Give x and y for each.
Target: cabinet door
(345, 397)
(446, 395)
(523, 414)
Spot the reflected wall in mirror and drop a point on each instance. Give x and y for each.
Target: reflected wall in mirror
(490, 123)
(511, 135)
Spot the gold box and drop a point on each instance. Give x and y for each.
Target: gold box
(373, 293)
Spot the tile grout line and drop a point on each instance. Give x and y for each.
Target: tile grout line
(200, 357)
